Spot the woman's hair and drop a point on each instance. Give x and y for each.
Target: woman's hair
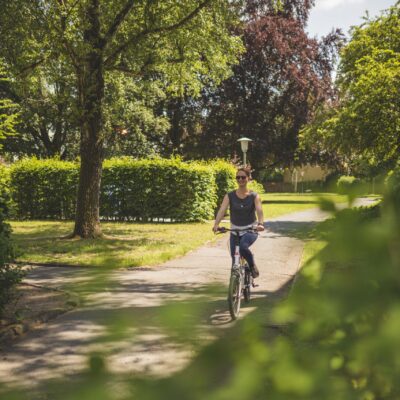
(246, 170)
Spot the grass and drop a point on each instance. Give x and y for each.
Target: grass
(311, 249)
(276, 204)
(125, 244)
(134, 244)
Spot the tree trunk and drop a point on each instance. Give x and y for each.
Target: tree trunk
(176, 131)
(91, 94)
(87, 221)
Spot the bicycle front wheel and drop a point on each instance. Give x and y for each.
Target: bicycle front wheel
(247, 284)
(234, 295)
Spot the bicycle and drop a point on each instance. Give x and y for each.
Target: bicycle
(241, 280)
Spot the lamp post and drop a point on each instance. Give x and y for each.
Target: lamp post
(244, 144)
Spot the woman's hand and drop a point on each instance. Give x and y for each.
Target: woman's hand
(260, 227)
(221, 213)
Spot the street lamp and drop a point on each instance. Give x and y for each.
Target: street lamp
(244, 144)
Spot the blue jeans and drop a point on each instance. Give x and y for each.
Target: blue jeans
(245, 242)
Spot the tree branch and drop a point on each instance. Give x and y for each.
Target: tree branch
(126, 70)
(130, 72)
(71, 9)
(119, 19)
(161, 29)
(31, 66)
(65, 42)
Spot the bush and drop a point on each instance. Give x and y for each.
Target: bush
(4, 176)
(393, 183)
(256, 187)
(157, 189)
(131, 190)
(9, 276)
(392, 195)
(225, 178)
(4, 189)
(225, 173)
(346, 184)
(330, 182)
(6, 252)
(44, 189)
(139, 190)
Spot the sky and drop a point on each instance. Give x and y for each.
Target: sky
(328, 14)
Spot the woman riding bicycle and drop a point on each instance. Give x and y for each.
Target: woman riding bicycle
(243, 205)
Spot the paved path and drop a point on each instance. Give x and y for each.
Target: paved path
(136, 298)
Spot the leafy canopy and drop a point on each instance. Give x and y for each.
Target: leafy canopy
(8, 114)
(363, 128)
(150, 49)
(281, 78)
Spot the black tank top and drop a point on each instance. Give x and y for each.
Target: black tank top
(242, 211)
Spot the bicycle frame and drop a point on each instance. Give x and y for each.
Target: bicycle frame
(239, 262)
(241, 279)
(237, 258)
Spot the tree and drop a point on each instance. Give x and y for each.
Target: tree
(42, 83)
(132, 126)
(48, 122)
(173, 41)
(362, 127)
(8, 114)
(272, 93)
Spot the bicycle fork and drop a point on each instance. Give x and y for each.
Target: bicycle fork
(237, 269)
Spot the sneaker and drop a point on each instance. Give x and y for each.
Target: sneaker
(254, 271)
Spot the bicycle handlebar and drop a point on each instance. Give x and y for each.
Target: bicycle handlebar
(224, 230)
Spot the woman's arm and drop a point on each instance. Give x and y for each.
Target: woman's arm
(221, 212)
(259, 212)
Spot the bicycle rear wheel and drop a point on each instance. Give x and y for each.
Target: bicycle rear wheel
(234, 295)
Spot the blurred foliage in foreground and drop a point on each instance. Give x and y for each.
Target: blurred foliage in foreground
(337, 337)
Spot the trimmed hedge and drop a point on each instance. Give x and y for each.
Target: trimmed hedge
(225, 177)
(142, 190)
(157, 189)
(44, 189)
(131, 190)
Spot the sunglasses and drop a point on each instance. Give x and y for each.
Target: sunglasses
(238, 177)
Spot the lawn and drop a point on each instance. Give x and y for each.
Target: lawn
(134, 244)
(311, 249)
(276, 204)
(125, 244)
